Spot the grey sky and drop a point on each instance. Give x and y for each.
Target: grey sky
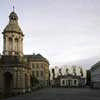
(61, 30)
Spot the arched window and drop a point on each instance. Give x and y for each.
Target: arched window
(41, 73)
(37, 73)
(21, 44)
(10, 44)
(16, 44)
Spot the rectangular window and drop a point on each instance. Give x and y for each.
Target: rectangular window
(33, 65)
(41, 73)
(74, 81)
(66, 82)
(37, 73)
(63, 82)
(32, 73)
(37, 66)
(42, 66)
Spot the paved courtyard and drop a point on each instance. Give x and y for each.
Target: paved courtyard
(61, 94)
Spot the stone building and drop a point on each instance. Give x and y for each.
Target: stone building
(95, 75)
(15, 70)
(69, 81)
(40, 68)
(65, 77)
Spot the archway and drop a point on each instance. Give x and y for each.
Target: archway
(8, 82)
(10, 44)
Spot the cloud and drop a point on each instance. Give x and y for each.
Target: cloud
(61, 30)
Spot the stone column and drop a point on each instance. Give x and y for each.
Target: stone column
(6, 45)
(19, 45)
(1, 81)
(22, 82)
(13, 46)
(18, 81)
(14, 81)
(22, 45)
(29, 85)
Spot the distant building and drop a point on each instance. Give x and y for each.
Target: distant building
(69, 81)
(95, 75)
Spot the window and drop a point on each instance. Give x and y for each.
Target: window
(66, 82)
(37, 66)
(63, 81)
(42, 66)
(32, 73)
(33, 66)
(74, 81)
(37, 73)
(41, 73)
(16, 44)
(10, 44)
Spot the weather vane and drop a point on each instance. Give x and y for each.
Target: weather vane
(13, 8)
(12, 3)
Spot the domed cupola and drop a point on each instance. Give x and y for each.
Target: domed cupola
(13, 16)
(13, 37)
(13, 26)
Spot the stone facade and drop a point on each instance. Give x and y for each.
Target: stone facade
(95, 75)
(69, 81)
(40, 68)
(16, 69)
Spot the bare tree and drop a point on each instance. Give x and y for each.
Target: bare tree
(53, 72)
(81, 71)
(74, 70)
(67, 71)
(60, 71)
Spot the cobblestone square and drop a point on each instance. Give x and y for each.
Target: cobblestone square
(62, 94)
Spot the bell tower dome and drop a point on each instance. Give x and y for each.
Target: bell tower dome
(13, 37)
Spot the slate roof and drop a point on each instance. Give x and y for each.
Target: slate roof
(95, 66)
(37, 57)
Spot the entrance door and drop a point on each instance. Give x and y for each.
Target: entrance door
(69, 83)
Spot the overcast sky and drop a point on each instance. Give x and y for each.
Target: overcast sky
(63, 31)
